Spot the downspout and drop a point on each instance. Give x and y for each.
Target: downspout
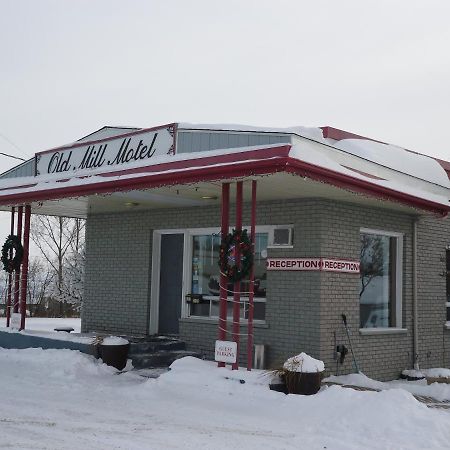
(414, 292)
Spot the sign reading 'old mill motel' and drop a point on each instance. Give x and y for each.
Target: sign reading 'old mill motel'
(137, 147)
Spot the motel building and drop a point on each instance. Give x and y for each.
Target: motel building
(337, 224)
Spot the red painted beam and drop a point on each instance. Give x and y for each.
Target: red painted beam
(24, 279)
(223, 278)
(237, 284)
(10, 277)
(17, 273)
(252, 280)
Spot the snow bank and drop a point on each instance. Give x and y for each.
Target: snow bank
(304, 363)
(439, 391)
(61, 399)
(437, 373)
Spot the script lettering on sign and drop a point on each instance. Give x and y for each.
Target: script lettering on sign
(137, 148)
(313, 264)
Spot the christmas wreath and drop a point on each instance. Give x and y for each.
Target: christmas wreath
(228, 252)
(11, 263)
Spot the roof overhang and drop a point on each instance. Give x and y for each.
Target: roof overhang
(212, 167)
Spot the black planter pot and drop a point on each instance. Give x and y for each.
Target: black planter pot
(303, 383)
(114, 355)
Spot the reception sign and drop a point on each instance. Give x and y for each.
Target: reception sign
(136, 148)
(313, 264)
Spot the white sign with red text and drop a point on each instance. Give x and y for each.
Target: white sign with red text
(313, 264)
(226, 351)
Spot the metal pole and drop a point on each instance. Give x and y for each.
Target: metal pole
(8, 301)
(24, 280)
(252, 280)
(223, 278)
(237, 284)
(17, 274)
(414, 292)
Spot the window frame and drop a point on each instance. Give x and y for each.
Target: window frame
(398, 278)
(190, 233)
(447, 284)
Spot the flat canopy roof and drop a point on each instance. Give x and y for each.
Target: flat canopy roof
(305, 168)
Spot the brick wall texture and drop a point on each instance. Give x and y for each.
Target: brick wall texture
(303, 311)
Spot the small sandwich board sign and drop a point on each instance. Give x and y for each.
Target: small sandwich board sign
(226, 351)
(15, 321)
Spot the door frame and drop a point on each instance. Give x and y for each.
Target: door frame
(153, 318)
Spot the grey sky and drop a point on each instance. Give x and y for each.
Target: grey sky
(377, 68)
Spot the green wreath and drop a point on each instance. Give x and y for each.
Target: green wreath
(227, 257)
(11, 263)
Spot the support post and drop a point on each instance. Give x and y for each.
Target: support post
(237, 284)
(223, 278)
(10, 277)
(252, 280)
(17, 273)
(24, 279)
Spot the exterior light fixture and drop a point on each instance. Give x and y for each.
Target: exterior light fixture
(209, 197)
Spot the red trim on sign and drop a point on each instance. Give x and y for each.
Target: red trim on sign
(97, 141)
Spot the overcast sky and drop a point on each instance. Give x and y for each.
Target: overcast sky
(377, 68)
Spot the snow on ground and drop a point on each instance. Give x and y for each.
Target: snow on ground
(47, 323)
(439, 391)
(62, 399)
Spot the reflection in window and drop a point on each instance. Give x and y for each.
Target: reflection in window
(205, 279)
(378, 280)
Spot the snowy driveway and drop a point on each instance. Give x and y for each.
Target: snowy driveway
(61, 399)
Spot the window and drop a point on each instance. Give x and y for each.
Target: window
(447, 274)
(205, 278)
(380, 290)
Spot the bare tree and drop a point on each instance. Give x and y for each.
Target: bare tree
(59, 239)
(371, 259)
(40, 279)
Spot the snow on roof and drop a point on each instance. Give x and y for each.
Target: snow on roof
(306, 160)
(376, 163)
(415, 164)
(397, 158)
(307, 132)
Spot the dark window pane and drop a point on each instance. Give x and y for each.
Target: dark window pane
(201, 309)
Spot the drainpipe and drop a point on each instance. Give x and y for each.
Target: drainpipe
(414, 289)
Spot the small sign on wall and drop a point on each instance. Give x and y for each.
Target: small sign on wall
(313, 264)
(226, 351)
(15, 321)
